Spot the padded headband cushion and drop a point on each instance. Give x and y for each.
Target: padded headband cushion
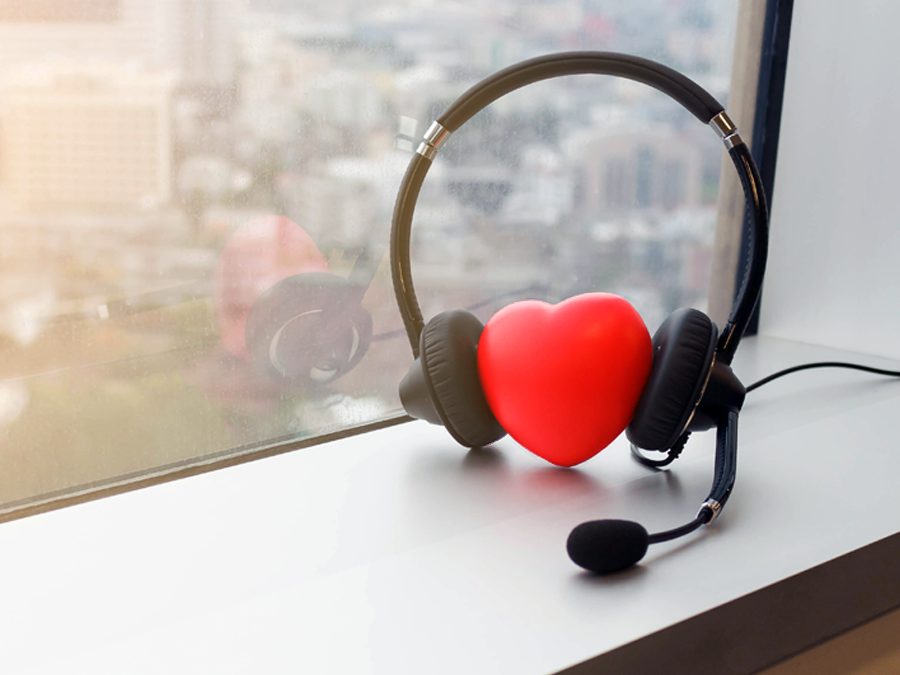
(683, 349)
(448, 351)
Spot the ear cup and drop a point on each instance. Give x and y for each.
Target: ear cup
(308, 328)
(257, 256)
(683, 349)
(447, 348)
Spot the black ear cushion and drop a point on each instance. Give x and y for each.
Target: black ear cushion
(448, 348)
(683, 349)
(308, 328)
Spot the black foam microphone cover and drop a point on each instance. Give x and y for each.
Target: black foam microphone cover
(606, 546)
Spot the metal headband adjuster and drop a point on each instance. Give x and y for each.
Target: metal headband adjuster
(433, 139)
(726, 130)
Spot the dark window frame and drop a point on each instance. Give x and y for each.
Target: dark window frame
(767, 117)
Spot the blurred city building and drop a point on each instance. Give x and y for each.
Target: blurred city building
(192, 37)
(87, 138)
(638, 168)
(33, 31)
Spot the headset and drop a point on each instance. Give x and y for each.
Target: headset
(306, 325)
(691, 386)
(277, 304)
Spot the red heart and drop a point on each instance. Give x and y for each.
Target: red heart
(564, 379)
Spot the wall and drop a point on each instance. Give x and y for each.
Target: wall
(834, 269)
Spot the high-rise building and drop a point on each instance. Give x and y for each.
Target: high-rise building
(86, 139)
(88, 30)
(193, 37)
(635, 169)
(202, 33)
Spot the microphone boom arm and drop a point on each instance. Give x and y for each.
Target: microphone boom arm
(726, 466)
(723, 480)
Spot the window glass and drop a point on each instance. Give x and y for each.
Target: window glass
(185, 185)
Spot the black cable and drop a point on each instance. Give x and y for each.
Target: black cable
(821, 364)
(652, 463)
(673, 453)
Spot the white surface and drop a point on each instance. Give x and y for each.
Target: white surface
(833, 276)
(396, 552)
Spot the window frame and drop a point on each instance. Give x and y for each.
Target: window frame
(759, 68)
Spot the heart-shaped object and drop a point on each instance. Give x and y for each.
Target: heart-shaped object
(564, 380)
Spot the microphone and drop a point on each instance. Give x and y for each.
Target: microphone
(608, 546)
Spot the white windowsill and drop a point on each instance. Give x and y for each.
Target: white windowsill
(396, 551)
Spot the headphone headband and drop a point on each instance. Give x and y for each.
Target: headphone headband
(690, 95)
(678, 87)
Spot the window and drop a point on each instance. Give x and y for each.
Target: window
(163, 164)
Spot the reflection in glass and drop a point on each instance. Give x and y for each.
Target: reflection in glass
(166, 165)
